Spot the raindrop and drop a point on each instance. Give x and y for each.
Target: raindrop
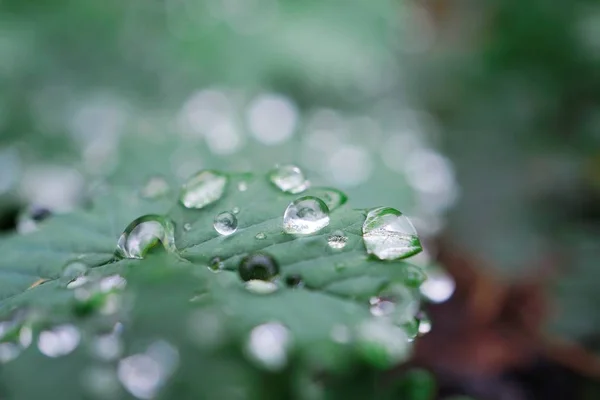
(424, 323)
(216, 264)
(332, 197)
(381, 343)
(294, 281)
(439, 286)
(156, 186)
(259, 266)
(261, 236)
(261, 287)
(268, 345)
(202, 189)
(59, 341)
(289, 179)
(225, 223)
(389, 235)
(306, 215)
(337, 240)
(187, 227)
(74, 270)
(396, 302)
(143, 234)
(235, 210)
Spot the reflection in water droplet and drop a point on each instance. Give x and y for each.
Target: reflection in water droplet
(258, 286)
(216, 264)
(202, 189)
(143, 234)
(156, 186)
(305, 215)
(78, 282)
(259, 266)
(260, 236)
(143, 375)
(187, 227)
(337, 240)
(381, 343)
(439, 285)
(268, 345)
(225, 223)
(59, 341)
(389, 235)
(289, 179)
(332, 197)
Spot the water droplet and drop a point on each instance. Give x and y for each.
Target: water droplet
(216, 264)
(235, 210)
(268, 345)
(439, 285)
(424, 323)
(305, 215)
(332, 197)
(396, 302)
(289, 179)
(29, 220)
(381, 343)
(389, 235)
(156, 186)
(337, 240)
(225, 223)
(59, 341)
(78, 282)
(242, 186)
(187, 227)
(74, 270)
(294, 281)
(261, 287)
(259, 266)
(260, 236)
(143, 234)
(202, 189)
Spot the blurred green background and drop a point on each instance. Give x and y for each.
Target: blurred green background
(479, 120)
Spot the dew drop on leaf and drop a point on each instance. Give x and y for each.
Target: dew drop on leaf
(261, 236)
(424, 323)
(258, 286)
(143, 234)
(332, 197)
(259, 266)
(59, 341)
(389, 235)
(225, 223)
(216, 264)
(235, 210)
(242, 186)
(305, 215)
(395, 302)
(203, 188)
(337, 240)
(73, 270)
(156, 187)
(289, 179)
(268, 345)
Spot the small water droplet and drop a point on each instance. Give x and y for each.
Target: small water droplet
(289, 179)
(156, 186)
(439, 285)
(258, 286)
(143, 234)
(268, 345)
(242, 186)
(74, 270)
(381, 343)
(216, 264)
(389, 235)
(396, 302)
(259, 266)
(294, 281)
(260, 236)
(305, 215)
(332, 197)
(337, 240)
(424, 323)
(59, 341)
(235, 210)
(202, 189)
(29, 220)
(187, 227)
(225, 223)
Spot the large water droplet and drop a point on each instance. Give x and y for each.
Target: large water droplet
(305, 215)
(268, 345)
(203, 189)
(389, 235)
(59, 341)
(332, 197)
(289, 179)
(156, 186)
(337, 240)
(225, 223)
(259, 266)
(143, 234)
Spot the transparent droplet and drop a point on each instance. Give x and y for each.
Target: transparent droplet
(424, 323)
(225, 223)
(305, 215)
(337, 240)
(156, 186)
(294, 281)
(258, 286)
(439, 285)
(242, 186)
(268, 345)
(143, 234)
(260, 236)
(216, 264)
(389, 235)
(235, 210)
(73, 270)
(187, 227)
(59, 341)
(332, 197)
(289, 179)
(382, 343)
(258, 266)
(396, 302)
(202, 189)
